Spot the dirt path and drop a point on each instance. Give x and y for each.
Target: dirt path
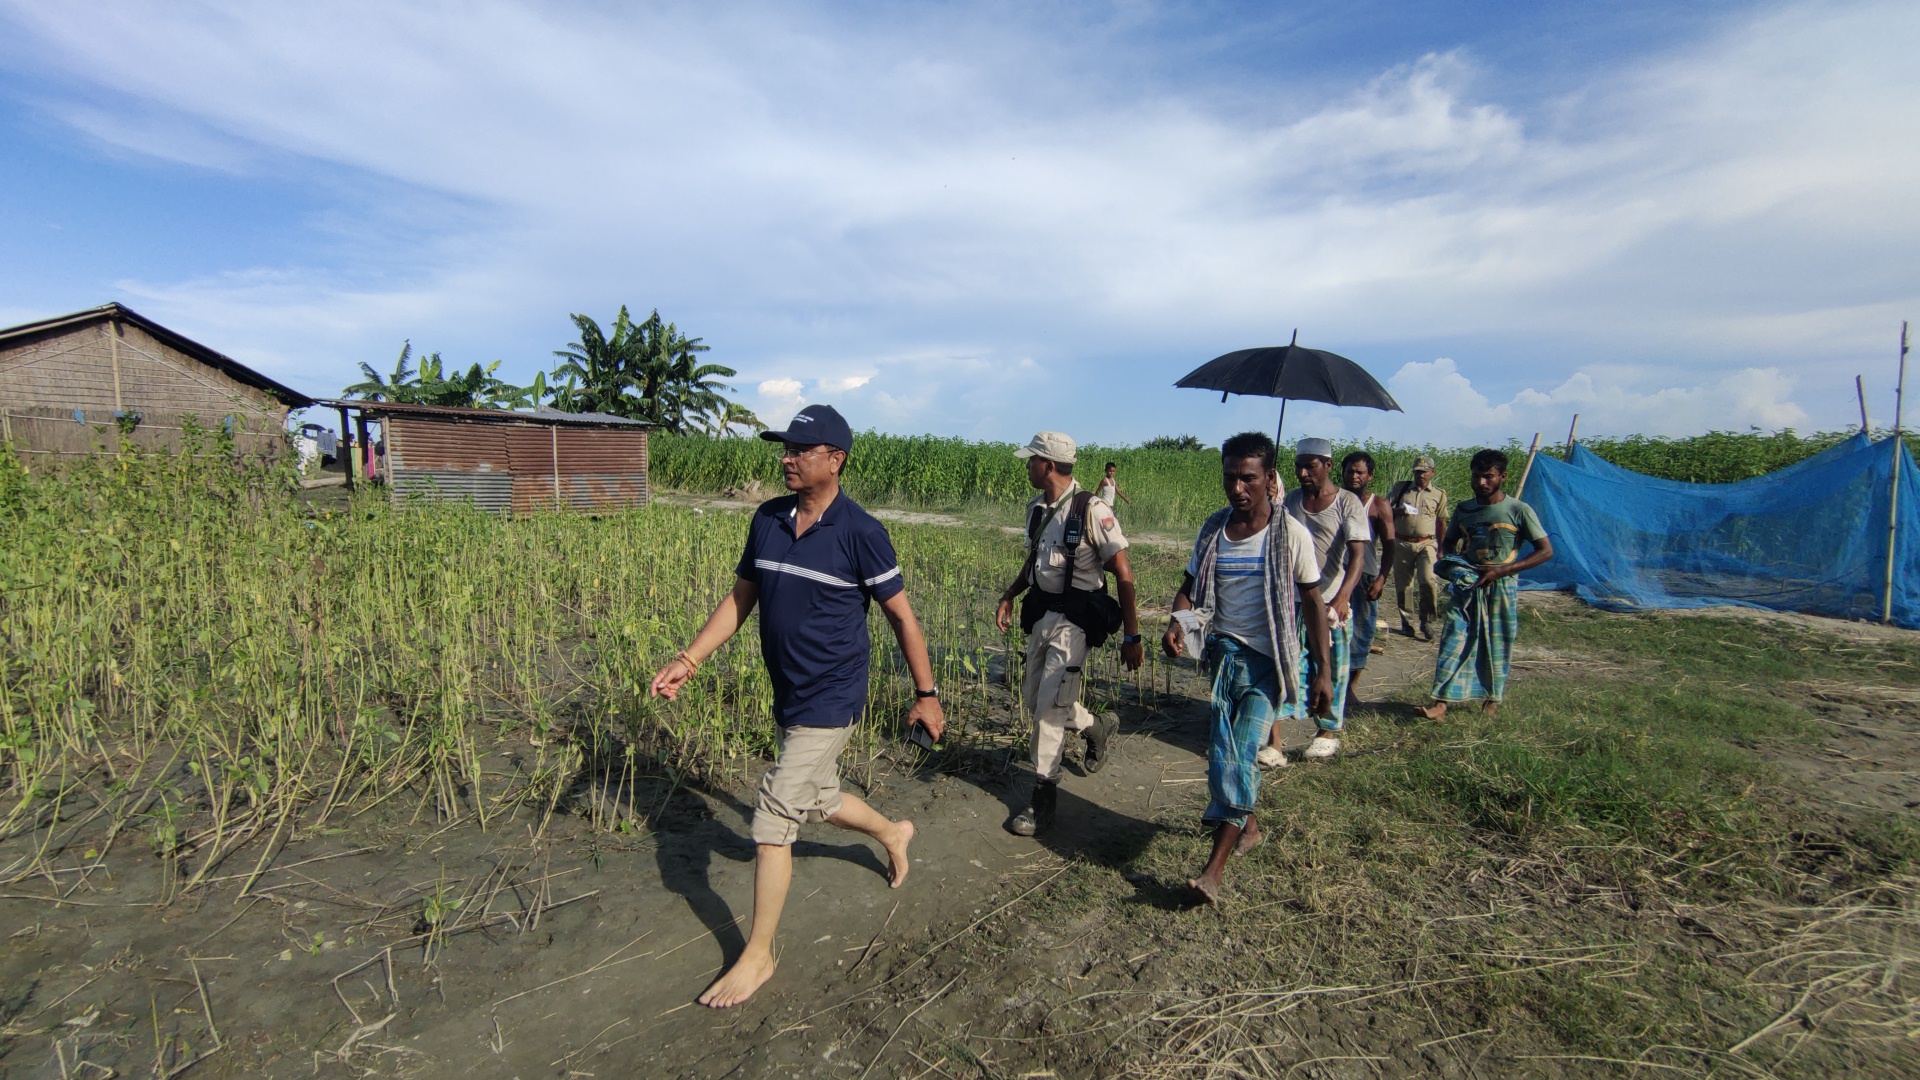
(528, 995)
(909, 517)
(568, 952)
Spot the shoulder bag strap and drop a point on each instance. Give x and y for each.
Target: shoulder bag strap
(1036, 524)
(1037, 519)
(1075, 532)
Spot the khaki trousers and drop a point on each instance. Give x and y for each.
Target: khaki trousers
(1413, 562)
(1056, 655)
(803, 787)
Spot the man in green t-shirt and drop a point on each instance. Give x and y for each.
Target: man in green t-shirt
(1481, 568)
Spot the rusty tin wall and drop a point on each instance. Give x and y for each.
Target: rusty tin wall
(513, 466)
(434, 460)
(598, 469)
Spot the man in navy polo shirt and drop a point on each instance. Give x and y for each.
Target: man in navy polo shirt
(813, 562)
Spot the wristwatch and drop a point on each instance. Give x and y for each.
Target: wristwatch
(933, 693)
(1130, 639)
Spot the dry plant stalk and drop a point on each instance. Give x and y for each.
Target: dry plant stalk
(1848, 969)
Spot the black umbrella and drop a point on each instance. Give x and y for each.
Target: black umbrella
(1291, 372)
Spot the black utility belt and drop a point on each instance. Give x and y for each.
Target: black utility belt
(1092, 610)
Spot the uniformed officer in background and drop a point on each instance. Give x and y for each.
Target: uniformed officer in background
(1073, 542)
(1419, 520)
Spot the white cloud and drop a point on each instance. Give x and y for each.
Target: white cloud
(780, 388)
(1437, 396)
(951, 184)
(779, 400)
(843, 383)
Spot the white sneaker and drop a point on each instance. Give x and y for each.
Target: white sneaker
(1270, 757)
(1322, 746)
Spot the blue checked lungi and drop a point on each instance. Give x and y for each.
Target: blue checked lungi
(1339, 654)
(1246, 700)
(1365, 611)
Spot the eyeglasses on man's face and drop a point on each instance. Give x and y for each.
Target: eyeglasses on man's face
(798, 452)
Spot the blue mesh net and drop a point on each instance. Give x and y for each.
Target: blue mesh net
(1811, 537)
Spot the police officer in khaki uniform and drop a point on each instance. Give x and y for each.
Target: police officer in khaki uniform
(1062, 579)
(1419, 520)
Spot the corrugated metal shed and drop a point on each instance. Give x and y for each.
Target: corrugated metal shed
(512, 461)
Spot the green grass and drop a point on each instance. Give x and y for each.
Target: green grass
(1528, 867)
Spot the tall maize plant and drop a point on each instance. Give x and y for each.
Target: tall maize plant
(189, 651)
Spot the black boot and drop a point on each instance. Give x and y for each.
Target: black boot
(1038, 816)
(1103, 729)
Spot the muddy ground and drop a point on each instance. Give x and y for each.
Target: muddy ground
(387, 944)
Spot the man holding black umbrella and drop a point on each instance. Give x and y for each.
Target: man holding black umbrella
(1337, 521)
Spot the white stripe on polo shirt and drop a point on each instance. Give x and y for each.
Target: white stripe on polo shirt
(872, 581)
(813, 575)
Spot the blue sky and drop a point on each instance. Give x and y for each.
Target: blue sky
(982, 219)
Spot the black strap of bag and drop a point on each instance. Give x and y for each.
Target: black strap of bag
(1095, 612)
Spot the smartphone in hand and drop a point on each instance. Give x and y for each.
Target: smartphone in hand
(918, 735)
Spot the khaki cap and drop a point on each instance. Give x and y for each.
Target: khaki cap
(1424, 464)
(1051, 445)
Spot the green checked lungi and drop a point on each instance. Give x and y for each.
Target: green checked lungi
(1476, 645)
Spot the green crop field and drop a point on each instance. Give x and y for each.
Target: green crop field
(1172, 490)
(188, 633)
(198, 620)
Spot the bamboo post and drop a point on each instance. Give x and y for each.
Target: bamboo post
(1860, 390)
(119, 406)
(553, 430)
(1893, 494)
(346, 451)
(1571, 430)
(1532, 452)
(113, 350)
(366, 446)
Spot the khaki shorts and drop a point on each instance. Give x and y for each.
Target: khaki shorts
(802, 786)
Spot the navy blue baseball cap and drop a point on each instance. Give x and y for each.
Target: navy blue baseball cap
(813, 426)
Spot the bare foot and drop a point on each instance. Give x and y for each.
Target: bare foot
(1435, 711)
(746, 975)
(1488, 708)
(897, 851)
(1205, 889)
(1250, 838)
